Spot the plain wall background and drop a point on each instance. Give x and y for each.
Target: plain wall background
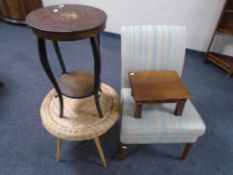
(200, 17)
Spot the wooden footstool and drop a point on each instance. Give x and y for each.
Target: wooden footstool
(158, 87)
(81, 120)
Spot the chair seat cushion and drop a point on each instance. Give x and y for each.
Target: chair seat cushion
(158, 123)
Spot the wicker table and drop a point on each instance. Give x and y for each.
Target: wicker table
(75, 89)
(80, 121)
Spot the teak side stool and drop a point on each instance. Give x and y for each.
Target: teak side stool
(70, 23)
(153, 87)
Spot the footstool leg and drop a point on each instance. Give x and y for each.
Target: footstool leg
(180, 107)
(100, 151)
(123, 152)
(186, 151)
(58, 153)
(138, 110)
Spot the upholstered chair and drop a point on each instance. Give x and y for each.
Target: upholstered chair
(152, 48)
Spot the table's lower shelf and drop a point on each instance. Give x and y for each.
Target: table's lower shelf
(77, 84)
(81, 120)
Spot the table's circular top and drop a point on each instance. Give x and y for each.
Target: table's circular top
(81, 120)
(67, 22)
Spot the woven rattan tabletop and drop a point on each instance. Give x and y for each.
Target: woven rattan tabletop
(81, 120)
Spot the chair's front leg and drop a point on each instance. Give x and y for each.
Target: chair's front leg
(123, 152)
(187, 149)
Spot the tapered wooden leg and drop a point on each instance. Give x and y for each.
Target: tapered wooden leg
(186, 151)
(123, 152)
(100, 151)
(138, 110)
(179, 107)
(58, 153)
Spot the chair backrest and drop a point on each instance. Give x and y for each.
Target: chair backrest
(150, 48)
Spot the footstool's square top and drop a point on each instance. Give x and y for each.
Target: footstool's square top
(157, 87)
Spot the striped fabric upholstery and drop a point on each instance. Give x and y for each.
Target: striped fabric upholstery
(155, 48)
(152, 48)
(158, 124)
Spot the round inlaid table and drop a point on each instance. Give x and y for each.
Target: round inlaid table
(64, 110)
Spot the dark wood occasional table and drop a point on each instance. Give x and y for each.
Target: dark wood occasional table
(158, 87)
(69, 23)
